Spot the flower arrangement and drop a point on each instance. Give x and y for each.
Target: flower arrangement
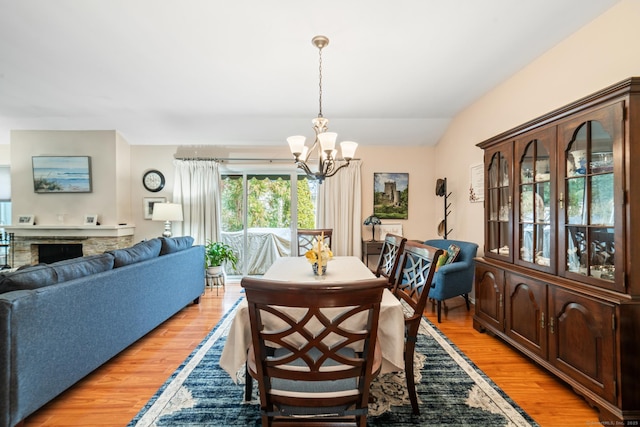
(319, 255)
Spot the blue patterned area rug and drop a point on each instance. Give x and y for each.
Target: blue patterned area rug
(451, 390)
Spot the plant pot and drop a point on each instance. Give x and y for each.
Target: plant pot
(214, 271)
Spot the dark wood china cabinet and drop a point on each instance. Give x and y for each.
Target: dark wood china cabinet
(560, 276)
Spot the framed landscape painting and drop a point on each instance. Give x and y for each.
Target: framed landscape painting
(391, 195)
(61, 174)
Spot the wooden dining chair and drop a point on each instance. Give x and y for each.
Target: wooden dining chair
(314, 349)
(390, 257)
(412, 283)
(307, 236)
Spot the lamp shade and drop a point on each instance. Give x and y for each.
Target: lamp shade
(372, 220)
(167, 212)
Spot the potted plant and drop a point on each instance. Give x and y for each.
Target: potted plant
(217, 253)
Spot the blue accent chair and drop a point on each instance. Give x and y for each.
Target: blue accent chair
(455, 279)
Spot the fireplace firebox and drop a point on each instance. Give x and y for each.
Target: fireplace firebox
(53, 252)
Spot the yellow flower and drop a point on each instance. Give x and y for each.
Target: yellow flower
(318, 250)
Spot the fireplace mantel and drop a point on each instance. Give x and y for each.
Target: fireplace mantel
(51, 231)
(95, 239)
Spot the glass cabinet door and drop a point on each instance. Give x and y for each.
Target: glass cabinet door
(534, 212)
(498, 201)
(587, 198)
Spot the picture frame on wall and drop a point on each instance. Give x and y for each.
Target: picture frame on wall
(91, 219)
(61, 174)
(26, 219)
(391, 195)
(147, 205)
(390, 228)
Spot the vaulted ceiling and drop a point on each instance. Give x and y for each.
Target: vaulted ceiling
(244, 72)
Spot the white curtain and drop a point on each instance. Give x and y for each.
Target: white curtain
(197, 188)
(340, 208)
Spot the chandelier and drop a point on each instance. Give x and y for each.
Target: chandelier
(325, 142)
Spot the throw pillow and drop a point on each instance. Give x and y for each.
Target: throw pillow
(32, 277)
(139, 252)
(442, 260)
(175, 244)
(452, 253)
(79, 267)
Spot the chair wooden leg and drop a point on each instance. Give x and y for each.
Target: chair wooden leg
(411, 382)
(439, 311)
(466, 298)
(248, 384)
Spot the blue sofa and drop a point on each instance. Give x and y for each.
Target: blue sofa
(61, 321)
(455, 279)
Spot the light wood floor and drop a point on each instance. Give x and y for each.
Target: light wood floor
(113, 394)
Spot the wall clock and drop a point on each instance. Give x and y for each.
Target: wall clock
(153, 180)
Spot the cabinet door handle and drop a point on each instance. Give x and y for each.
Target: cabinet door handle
(561, 201)
(551, 325)
(542, 320)
(501, 299)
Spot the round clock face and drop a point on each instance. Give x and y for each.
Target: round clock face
(153, 180)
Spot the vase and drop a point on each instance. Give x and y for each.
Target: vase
(315, 269)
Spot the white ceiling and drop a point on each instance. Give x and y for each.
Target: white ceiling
(240, 72)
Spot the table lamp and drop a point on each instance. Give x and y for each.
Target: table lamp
(167, 212)
(372, 220)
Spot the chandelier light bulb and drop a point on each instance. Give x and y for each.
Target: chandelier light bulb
(296, 144)
(328, 141)
(348, 149)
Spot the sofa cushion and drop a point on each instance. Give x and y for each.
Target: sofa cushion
(175, 244)
(32, 277)
(139, 252)
(78, 267)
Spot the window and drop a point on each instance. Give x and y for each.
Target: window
(257, 216)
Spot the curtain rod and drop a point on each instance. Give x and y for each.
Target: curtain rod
(241, 159)
(235, 159)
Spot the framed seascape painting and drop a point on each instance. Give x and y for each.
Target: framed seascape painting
(61, 174)
(391, 195)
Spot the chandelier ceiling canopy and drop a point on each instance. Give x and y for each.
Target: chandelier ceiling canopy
(325, 142)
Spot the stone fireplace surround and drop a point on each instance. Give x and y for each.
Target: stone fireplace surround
(94, 239)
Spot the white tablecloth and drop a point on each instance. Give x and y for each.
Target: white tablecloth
(339, 269)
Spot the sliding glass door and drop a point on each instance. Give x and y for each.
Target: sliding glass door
(257, 216)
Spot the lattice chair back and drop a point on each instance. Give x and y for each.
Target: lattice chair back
(314, 347)
(412, 284)
(390, 257)
(306, 237)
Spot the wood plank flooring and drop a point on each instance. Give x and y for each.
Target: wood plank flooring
(113, 394)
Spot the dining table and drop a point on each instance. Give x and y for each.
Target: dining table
(340, 269)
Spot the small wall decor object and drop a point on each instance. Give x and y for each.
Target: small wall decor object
(91, 219)
(391, 195)
(61, 174)
(153, 180)
(147, 205)
(26, 219)
(476, 187)
(389, 228)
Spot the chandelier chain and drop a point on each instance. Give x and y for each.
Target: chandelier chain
(320, 82)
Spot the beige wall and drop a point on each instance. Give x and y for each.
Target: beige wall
(424, 215)
(598, 55)
(106, 155)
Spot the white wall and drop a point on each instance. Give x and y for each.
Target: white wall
(599, 55)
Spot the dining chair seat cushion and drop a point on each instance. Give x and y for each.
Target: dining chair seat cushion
(313, 389)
